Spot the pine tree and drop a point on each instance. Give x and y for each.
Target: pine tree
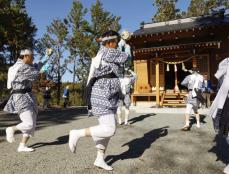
(200, 7)
(17, 30)
(55, 38)
(166, 10)
(102, 20)
(79, 43)
(76, 36)
(196, 8)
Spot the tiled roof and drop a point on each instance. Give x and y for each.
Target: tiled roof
(182, 24)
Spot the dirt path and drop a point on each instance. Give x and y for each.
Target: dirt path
(153, 143)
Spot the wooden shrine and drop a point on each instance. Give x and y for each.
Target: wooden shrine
(164, 51)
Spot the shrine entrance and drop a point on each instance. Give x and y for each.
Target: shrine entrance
(170, 75)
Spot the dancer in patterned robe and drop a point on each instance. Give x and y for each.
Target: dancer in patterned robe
(194, 83)
(219, 110)
(22, 101)
(126, 84)
(104, 92)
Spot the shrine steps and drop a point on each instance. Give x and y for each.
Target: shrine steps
(173, 99)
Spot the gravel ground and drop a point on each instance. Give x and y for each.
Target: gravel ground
(151, 144)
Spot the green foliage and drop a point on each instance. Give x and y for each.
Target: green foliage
(102, 20)
(196, 8)
(81, 44)
(202, 7)
(79, 41)
(3, 81)
(76, 36)
(56, 38)
(166, 10)
(17, 30)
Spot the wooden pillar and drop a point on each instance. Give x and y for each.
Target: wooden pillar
(176, 88)
(194, 62)
(157, 84)
(135, 70)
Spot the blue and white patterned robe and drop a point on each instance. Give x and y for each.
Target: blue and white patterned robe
(19, 103)
(105, 92)
(126, 84)
(189, 82)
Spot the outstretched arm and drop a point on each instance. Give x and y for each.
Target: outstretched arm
(185, 81)
(133, 77)
(44, 61)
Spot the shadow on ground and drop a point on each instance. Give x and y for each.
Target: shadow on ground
(193, 120)
(138, 146)
(221, 149)
(140, 118)
(59, 141)
(45, 118)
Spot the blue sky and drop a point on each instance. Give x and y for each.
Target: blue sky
(132, 13)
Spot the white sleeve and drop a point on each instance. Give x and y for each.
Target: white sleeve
(95, 63)
(92, 70)
(10, 78)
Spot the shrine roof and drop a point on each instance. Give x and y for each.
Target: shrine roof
(182, 24)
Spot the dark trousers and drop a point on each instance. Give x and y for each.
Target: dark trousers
(66, 100)
(46, 103)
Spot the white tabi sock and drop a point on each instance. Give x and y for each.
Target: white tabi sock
(74, 136)
(127, 112)
(226, 169)
(198, 124)
(187, 123)
(119, 119)
(10, 135)
(99, 162)
(23, 148)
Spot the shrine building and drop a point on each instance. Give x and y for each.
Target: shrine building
(164, 52)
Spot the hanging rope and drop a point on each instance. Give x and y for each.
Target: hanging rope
(175, 67)
(178, 62)
(175, 64)
(167, 68)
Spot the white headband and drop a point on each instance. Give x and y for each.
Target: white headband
(26, 52)
(109, 38)
(22, 53)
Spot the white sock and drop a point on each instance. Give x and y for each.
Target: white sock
(100, 155)
(226, 169)
(22, 145)
(99, 162)
(74, 136)
(127, 112)
(119, 119)
(187, 123)
(10, 134)
(119, 114)
(80, 133)
(23, 148)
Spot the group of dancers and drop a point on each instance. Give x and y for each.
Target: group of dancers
(108, 88)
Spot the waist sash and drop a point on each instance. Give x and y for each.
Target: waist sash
(17, 91)
(90, 85)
